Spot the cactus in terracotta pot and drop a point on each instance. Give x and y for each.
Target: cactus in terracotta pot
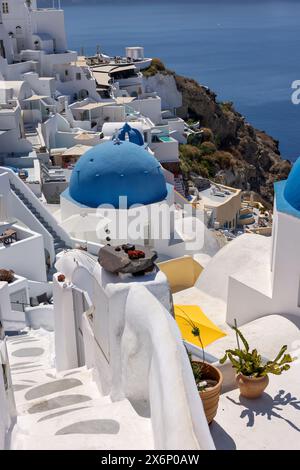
(208, 378)
(252, 373)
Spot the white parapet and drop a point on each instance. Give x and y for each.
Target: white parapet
(64, 325)
(126, 334)
(7, 400)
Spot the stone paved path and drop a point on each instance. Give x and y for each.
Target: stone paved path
(66, 410)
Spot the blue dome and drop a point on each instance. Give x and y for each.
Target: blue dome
(134, 135)
(114, 169)
(292, 186)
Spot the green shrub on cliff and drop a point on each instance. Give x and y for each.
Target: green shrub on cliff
(204, 159)
(193, 159)
(195, 139)
(156, 66)
(223, 159)
(227, 106)
(189, 152)
(207, 134)
(207, 148)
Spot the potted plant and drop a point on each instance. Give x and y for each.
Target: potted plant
(61, 278)
(208, 379)
(252, 373)
(7, 275)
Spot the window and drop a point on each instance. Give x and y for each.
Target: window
(2, 49)
(5, 376)
(78, 76)
(5, 9)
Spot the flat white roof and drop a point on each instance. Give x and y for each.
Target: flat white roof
(217, 195)
(36, 98)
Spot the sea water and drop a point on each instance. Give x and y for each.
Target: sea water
(247, 51)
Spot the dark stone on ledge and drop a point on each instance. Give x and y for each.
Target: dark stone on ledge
(115, 260)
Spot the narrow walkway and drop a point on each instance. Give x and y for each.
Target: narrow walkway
(32, 136)
(66, 411)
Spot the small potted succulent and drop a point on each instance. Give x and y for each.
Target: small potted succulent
(251, 371)
(61, 278)
(208, 379)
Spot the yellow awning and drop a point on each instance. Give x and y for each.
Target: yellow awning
(189, 318)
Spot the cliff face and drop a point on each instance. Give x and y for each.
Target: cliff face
(238, 154)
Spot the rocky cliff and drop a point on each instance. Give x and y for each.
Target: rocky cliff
(227, 149)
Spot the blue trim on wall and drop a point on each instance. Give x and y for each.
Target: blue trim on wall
(282, 204)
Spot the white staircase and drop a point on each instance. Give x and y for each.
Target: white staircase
(27, 208)
(59, 244)
(66, 410)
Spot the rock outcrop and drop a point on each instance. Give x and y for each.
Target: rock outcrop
(238, 155)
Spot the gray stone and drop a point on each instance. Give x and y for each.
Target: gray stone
(58, 402)
(116, 260)
(62, 413)
(52, 387)
(28, 352)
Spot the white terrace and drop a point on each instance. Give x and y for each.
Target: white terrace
(115, 375)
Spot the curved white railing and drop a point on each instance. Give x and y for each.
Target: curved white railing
(146, 359)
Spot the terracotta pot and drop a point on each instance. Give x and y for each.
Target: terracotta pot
(210, 398)
(251, 387)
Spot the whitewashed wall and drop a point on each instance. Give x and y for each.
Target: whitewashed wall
(50, 22)
(7, 401)
(25, 257)
(155, 367)
(149, 107)
(134, 347)
(166, 88)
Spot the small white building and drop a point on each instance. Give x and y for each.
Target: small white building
(31, 27)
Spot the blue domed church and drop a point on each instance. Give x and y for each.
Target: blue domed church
(129, 133)
(113, 170)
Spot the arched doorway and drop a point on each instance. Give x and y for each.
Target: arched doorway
(83, 94)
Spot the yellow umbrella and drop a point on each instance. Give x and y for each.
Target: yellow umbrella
(192, 322)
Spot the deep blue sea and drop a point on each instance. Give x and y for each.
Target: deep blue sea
(247, 51)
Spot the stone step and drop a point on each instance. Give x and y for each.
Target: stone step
(95, 424)
(66, 410)
(59, 244)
